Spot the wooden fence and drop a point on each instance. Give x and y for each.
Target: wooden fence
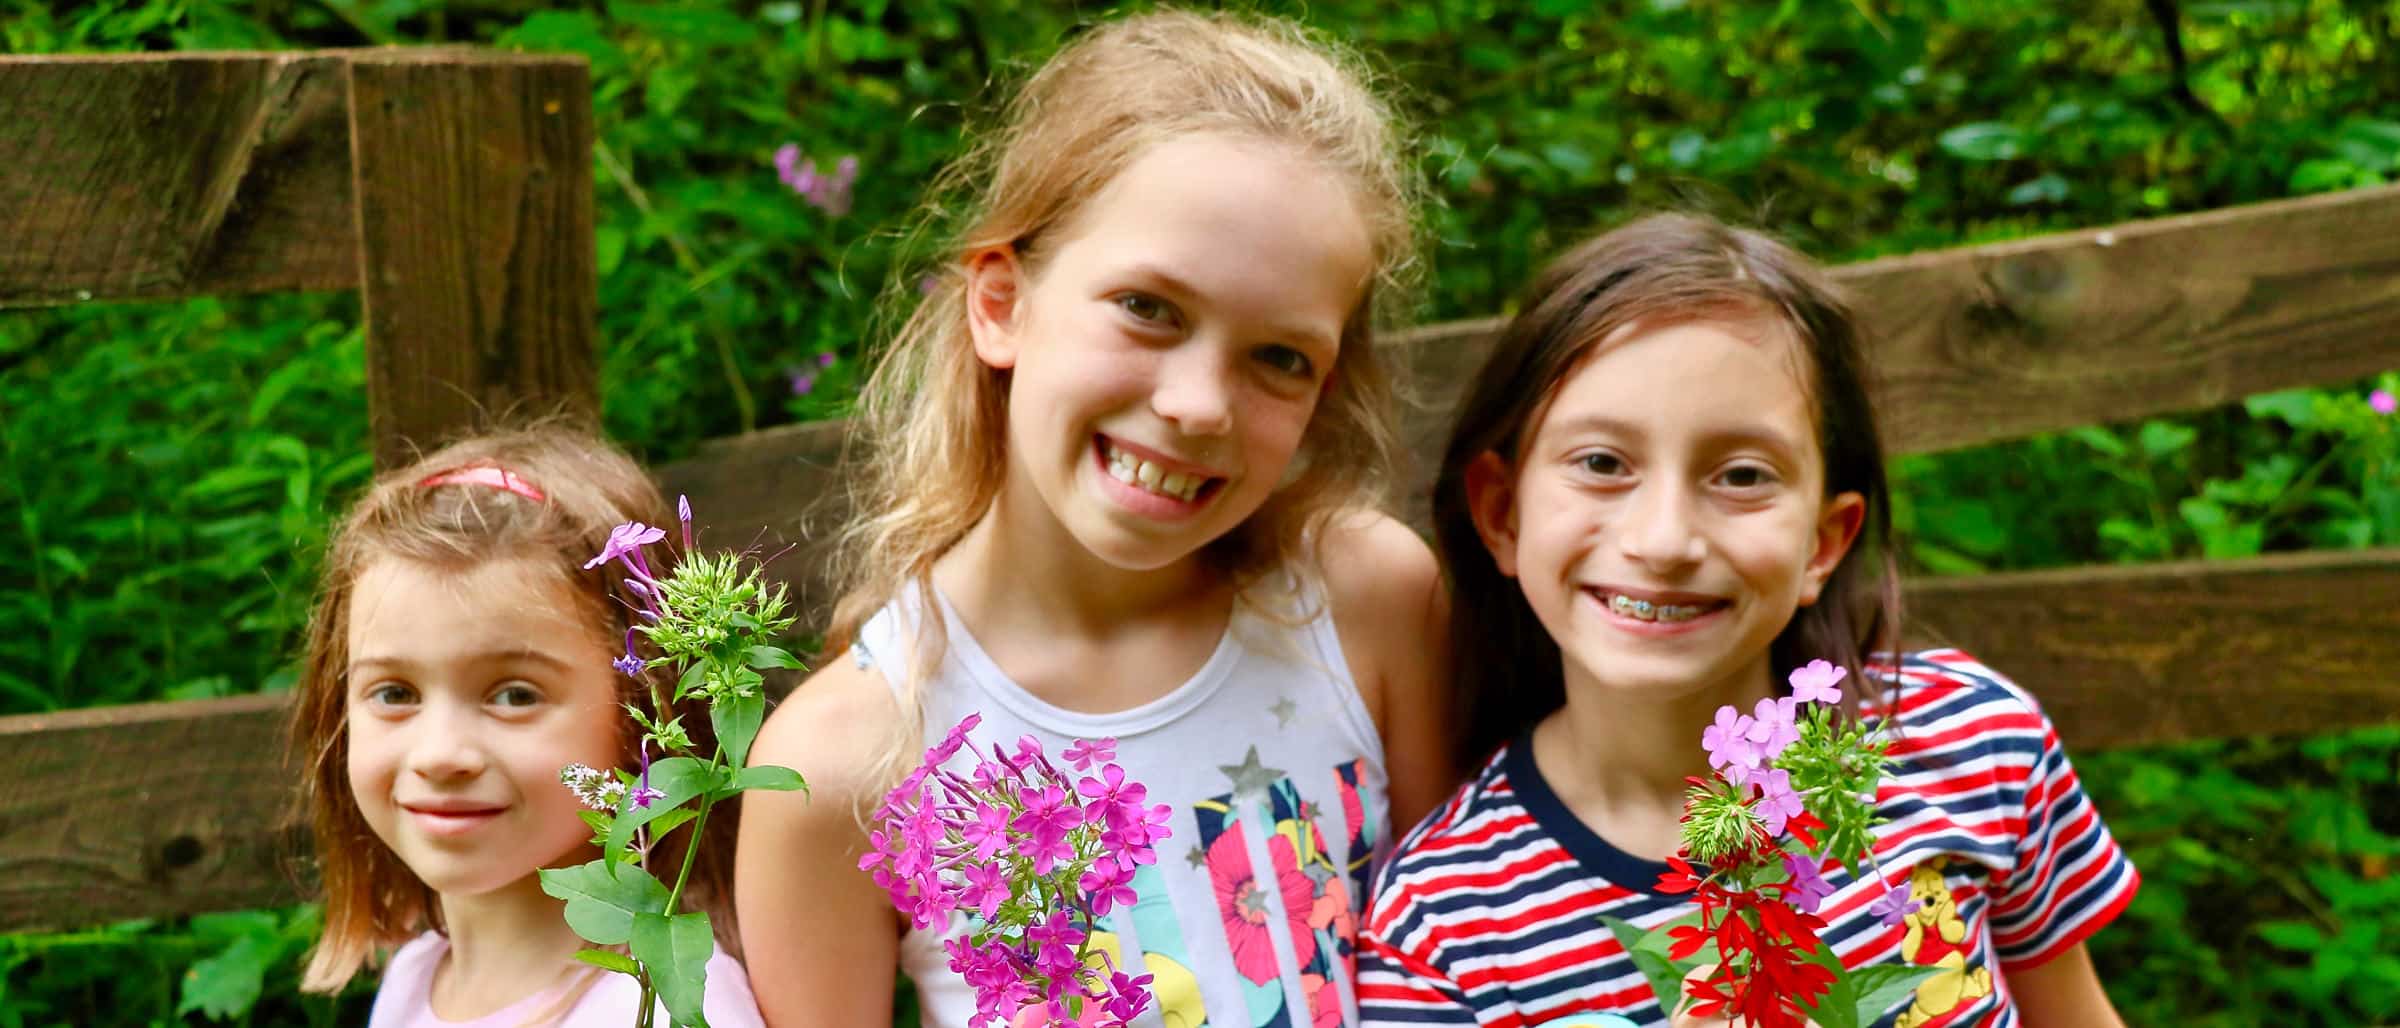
(452, 188)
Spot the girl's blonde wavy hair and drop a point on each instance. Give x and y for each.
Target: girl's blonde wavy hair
(932, 421)
(588, 487)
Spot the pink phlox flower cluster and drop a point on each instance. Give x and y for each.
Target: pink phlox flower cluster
(2382, 401)
(1743, 747)
(1030, 855)
(828, 192)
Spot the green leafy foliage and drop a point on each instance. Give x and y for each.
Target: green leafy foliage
(169, 469)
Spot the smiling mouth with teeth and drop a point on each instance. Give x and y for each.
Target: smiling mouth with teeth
(1149, 477)
(1644, 610)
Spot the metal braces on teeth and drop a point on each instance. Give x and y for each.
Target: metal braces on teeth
(1644, 610)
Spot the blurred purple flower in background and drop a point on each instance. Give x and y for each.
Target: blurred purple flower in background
(828, 192)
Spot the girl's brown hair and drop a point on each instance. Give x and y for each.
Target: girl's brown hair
(932, 420)
(1657, 272)
(587, 487)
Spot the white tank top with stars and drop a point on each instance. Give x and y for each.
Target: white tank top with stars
(1275, 775)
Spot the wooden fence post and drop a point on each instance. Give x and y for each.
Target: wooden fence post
(474, 196)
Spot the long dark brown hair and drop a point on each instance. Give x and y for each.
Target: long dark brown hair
(587, 488)
(1660, 271)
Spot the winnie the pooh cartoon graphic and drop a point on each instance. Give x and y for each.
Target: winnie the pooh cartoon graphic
(1935, 935)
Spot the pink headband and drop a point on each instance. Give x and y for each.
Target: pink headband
(486, 474)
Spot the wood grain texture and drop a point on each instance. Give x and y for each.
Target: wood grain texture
(1987, 343)
(140, 176)
(148, 810)
(2125, 656)
(474, 189)
(2011, 339)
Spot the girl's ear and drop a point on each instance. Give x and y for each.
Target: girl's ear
(1837, 529)
(993, 277)
(1492, 501)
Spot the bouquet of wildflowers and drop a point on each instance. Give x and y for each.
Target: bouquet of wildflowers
(1031, 856)
(1793, 788)
(711, 617)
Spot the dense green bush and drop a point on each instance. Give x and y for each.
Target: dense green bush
(171, 467)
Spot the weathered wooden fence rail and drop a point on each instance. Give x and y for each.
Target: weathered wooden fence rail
(453, 189)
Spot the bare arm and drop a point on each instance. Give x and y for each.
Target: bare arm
(1393, 617)
(821, 939)
(2063, 991)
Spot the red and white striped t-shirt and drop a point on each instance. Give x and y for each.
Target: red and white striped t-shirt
(1489, 912)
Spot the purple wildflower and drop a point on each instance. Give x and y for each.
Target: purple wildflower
(629, 664)
(1777, 803)
(1809, 887)
(803, 382)
(683, 513)
(643, 794)
(1728, 741)
(2382, 401)
(626, 541)
(826, 192)
(1893, 906)
(1817, 683)
(1773, 727)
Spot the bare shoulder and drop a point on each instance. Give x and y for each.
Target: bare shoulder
(1377, 569)
(805, 908)
(1392, 614)
(832, 729)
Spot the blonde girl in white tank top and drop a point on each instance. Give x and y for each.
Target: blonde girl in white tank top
(1121, 465)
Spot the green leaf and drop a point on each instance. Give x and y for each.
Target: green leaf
(2298, 936)
(670, 821)
(2046, 189)
(2162, 438)
(1649, 953)
(1858, 998)
(764, 657)
(2294, 407)
(676, 948)
(736, 721)
(768, 777)
(227, 985)
(609, 960)
(603, 899)
(271, 391)
(680, 778)
(1984, 141)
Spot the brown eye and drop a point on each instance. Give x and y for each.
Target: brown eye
(515, 694)
(1606, 465)
(1748, 476)
(1288, 361)
(391, 694)
(1146, 308)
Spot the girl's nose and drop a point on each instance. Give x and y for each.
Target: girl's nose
(445, 744)
(1657, 530)
(1194, 391)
